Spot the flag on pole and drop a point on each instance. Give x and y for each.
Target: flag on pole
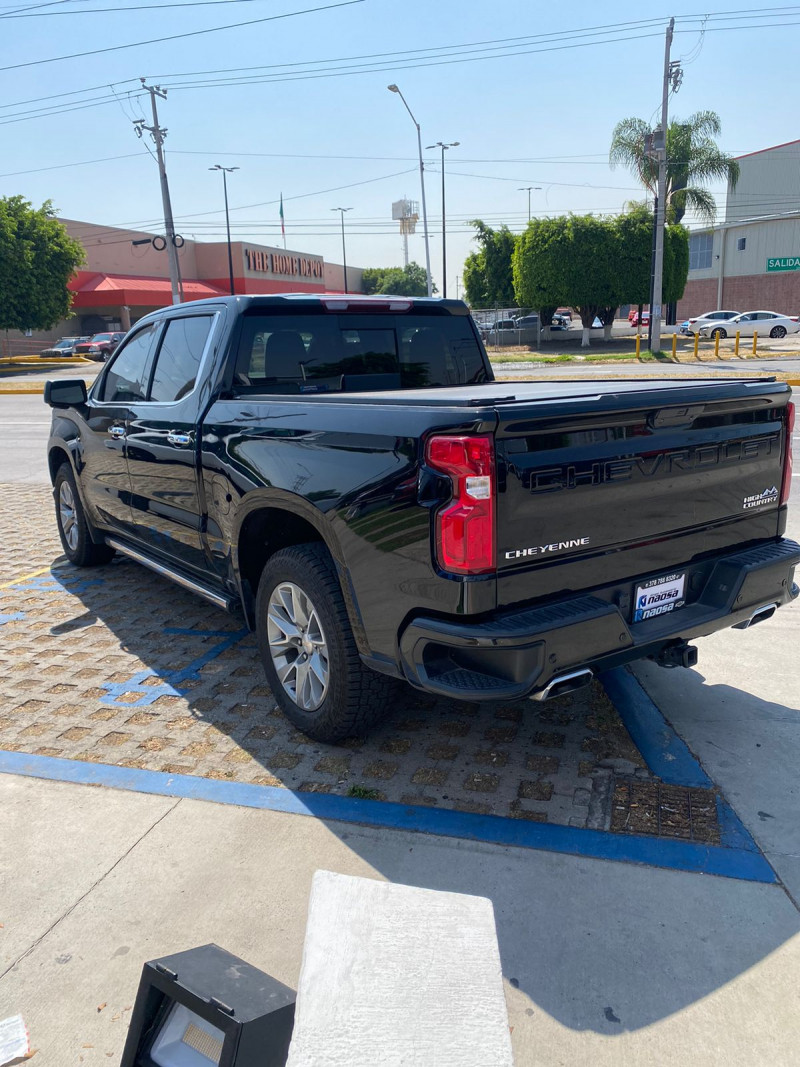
(283, 227)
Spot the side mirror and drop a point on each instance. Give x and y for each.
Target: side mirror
(65, 393)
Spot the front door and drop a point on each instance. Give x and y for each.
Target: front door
(104, 478)
(162, 446)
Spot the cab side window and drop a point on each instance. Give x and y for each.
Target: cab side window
(127, 376)
(179, 357)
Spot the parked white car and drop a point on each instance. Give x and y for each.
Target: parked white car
(766, 323)
(710, 317)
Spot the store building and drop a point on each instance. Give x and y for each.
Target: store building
(126, 275)
(751, 261)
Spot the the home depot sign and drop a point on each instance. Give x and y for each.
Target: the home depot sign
(284, 263)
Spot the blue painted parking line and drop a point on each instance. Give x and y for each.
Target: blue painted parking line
(518, 833)
(170, 684)
(11, 617)
(667, 756)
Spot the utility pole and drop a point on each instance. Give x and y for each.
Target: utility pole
(672, 77)
(158, 135)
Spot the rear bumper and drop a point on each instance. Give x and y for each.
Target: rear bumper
(518, 653)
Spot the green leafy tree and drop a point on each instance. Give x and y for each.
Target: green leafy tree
(635, 229)
(487, 274)
(693, 160)
(37, 259)
(396, 281)
(538, 272)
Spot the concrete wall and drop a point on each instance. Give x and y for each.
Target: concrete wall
(769, 183)
(334, 278)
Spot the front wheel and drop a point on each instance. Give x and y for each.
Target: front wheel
(778, 331)
(73, 529)
(308, 650)
(719, 332)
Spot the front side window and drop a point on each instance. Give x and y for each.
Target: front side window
(701, 247)
(127, 376)
(179, 357)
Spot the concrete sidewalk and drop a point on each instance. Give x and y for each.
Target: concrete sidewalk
(605, 963)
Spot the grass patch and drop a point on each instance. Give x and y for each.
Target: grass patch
(362, 792)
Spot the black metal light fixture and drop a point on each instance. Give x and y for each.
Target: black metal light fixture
(206, 1006)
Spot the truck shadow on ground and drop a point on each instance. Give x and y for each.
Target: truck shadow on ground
(173, 684)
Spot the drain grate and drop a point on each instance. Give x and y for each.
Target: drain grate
(665, 811)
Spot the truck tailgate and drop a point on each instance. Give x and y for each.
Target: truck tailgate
(620, 484)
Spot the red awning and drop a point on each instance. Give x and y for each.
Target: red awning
(114, 290)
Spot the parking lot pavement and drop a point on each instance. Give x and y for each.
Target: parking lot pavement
(117, 666)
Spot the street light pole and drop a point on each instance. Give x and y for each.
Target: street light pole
(225, 172)
(394, 89)
(672, 76)
(444, 147)
(341, 211)
(527, 189)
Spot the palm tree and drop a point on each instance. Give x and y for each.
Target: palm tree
(693, 159)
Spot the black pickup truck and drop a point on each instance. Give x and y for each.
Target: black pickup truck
(346, 472)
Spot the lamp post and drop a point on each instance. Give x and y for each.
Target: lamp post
(225, 172)
(527, 189)
(394, 89)
(444, 147)
(341, 211)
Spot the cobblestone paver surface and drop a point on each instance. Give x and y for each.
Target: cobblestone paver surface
(116, 665)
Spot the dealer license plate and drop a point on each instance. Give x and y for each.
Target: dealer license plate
(659, 596)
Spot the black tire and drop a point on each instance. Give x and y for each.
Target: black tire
(719, 332)
(355, 697)
(778, 331)
(76, 540)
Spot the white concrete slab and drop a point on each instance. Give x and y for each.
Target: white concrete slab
(605, 963)
(398, 975)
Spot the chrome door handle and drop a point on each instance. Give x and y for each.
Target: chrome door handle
(117, 432)
(179, 438)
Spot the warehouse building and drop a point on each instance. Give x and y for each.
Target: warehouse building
(751, 261)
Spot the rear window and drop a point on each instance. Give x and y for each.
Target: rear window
(326, 352)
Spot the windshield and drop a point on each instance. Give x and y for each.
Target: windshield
(313, 353)
(102, 337)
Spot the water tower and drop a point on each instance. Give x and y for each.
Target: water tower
(406, 212)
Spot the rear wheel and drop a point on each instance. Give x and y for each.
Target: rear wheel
(719, 332)
(73, 529)
(308, 650)
(778, 331)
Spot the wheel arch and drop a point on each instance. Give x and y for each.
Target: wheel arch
(272, 519)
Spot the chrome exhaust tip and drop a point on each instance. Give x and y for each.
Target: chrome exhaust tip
(564, 683)
(759, 615)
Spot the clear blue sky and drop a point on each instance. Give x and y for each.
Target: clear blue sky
(537, 118)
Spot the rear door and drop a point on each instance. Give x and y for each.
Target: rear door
(616, 488)
(104, 477)
(162, 445)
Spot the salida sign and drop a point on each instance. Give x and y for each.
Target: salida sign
(783, 263)
(283, 263)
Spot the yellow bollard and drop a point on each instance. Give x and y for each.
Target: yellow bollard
(716, 344)
(675, 347)
(755, 342)
(736, 343)
(638, 344)
(696, 345)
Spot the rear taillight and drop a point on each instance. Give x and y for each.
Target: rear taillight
(786, 488)
(465, 542)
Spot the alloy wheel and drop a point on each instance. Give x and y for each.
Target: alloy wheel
(297, 645)
(67, 515)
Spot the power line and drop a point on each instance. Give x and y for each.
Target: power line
(23, 13)
(180, 36)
